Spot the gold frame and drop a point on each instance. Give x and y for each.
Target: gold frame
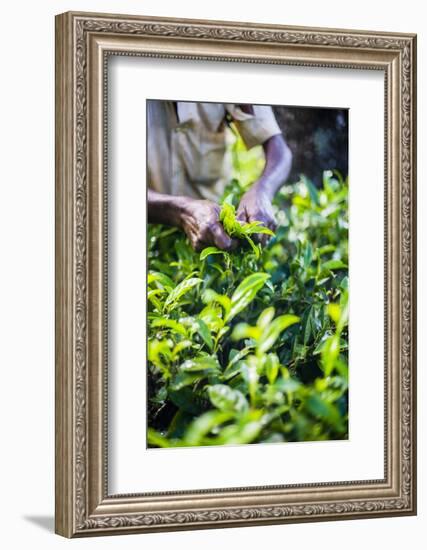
(83, 43)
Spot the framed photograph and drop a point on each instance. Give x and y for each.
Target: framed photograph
(235, 274)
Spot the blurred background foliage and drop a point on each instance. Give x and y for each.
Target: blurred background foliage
(318, 138)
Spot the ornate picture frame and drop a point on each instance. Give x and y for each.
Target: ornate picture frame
(83, 43)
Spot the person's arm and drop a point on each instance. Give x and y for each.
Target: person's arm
(199, 219)
(255, 204)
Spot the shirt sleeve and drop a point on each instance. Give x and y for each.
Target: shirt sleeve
(254, 128)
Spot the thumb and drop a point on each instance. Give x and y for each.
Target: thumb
(220, 237)
(241, 214)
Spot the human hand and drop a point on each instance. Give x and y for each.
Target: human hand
(255, 205)
(199, 219)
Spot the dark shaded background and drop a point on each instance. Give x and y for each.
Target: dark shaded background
(318, 139)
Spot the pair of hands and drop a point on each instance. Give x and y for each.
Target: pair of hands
(200, 219)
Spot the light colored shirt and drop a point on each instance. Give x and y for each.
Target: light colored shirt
(188, 144)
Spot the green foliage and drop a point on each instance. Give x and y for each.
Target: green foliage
(240, 230)
(251, 346)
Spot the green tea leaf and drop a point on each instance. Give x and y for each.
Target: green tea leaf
(201, 363)
(308, 255)
(245, 293)
(250, 374)
(179, 291)
(155, 301)
(228, 218)
(181, 346)
(204, 424)
(243, 330)
(288, 385)
(309, 326)
(234, 228)
(156, 439)
(164, 280)
(237, 356)
(256, 227)
(241, 434)
(333, 264)
(210, 296)
(265, 318)
(170, 324)
(204, 332)
(330, 353)
(183, 379)
(334, 312)
(226, 399)
(254, 247)
(272, 367)
(211, 315)
(273, 331)
(312, 191)
(209, 251)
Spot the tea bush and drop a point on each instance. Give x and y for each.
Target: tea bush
(251, 346)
